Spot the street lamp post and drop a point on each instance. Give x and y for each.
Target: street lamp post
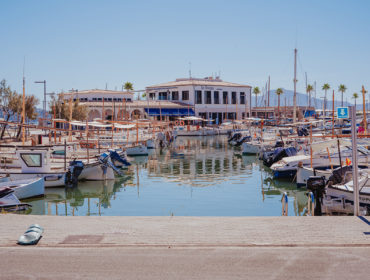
(44, 103)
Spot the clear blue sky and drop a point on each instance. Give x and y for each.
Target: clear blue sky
(86, 44)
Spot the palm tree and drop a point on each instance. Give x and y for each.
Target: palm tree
(355, 96)
(278, 92)
(325, 87)
(342, 88)
(128, 86)
(309, 89)
(256, 91)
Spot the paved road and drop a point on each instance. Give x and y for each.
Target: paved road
(187, 248)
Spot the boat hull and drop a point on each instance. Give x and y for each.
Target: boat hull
(27, 188)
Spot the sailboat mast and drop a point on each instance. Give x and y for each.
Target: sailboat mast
(23, 111)
(295, 87)
(268, 94)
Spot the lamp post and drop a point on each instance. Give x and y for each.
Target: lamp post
(44, 103)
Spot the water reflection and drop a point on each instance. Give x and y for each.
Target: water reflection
(200, 176)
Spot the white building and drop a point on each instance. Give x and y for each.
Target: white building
(120, 105)
(211, 98)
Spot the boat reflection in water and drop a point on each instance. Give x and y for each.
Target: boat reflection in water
(79, 200)
(197, 176)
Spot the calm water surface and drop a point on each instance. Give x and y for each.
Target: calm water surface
(199, 177)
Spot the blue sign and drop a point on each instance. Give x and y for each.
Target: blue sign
(342, 113)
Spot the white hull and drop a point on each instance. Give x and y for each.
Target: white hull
(50, 180)
(150, 144)
(94, 172)
(249, 148)
(26, 188)
(303, 173)
(137, 151)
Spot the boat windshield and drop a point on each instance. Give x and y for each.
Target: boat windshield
(32, 160)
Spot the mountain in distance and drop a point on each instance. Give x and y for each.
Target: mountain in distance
(302, 99)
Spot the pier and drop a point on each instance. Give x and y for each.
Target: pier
(187, 247)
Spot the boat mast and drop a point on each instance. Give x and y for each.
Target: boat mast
(364, 109)
(268, 94)
(295, 87)
(23, 110)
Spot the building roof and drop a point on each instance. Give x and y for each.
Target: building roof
(98, 91)
(197, 82)
(139, 104)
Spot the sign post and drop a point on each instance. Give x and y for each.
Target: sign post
(356, 198)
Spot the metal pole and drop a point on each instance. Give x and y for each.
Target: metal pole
(44, 99)
(356, 208)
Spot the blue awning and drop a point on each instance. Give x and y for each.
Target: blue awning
(170, 112)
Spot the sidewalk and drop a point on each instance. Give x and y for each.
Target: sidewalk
(187, 248)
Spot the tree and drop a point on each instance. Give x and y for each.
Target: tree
(279, 92)
(30, 110)
(11, 103)
(342, 88)
(60, 107)
(256, 91)
(308, 90)
(355, 96)
(325, 87)
(128, 86)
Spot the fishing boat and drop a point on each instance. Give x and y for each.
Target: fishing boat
(137, 150)
(27, 188)
(9, 202)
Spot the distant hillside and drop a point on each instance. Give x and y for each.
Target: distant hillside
(302, 100)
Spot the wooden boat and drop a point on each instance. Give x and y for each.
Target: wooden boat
(26, 188)
(9, 202)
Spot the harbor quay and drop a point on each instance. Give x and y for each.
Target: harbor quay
(186, 247)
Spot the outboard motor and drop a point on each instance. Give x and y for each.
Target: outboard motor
(279, 143)
(244, 139)
(105, 162)
(74, 171)
(316, 185)
(235, 137)
(118, 160)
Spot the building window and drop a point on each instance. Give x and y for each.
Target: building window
(185, 95)
(208, 97)
(216, 97)
(198, 97)
(175, 95)
(152, 95)
(225, 97)
(109, 99)
(114, 99)
(233, 97)
(242, 98)
(99, 99)
(94, 99)
(162, 96)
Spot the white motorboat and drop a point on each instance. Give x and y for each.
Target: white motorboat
(288, 166)
(344, 191)
(138, 150)
(26, 188)
(305, 172)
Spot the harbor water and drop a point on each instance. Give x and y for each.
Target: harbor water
(198, 176)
